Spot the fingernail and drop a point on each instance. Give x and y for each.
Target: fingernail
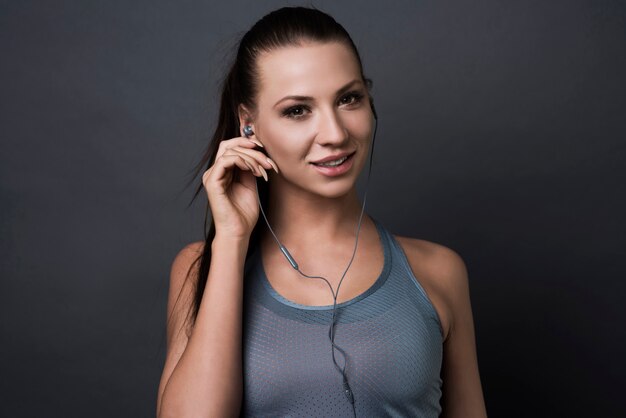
(249, 166)
(273, 165)
(256, 142)
(263, 172)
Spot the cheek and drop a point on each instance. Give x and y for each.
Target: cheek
(288, 141)
(360, 127)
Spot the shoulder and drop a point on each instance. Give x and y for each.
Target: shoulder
(436, 262)
(186, 258)
(190, 250)
(442, 273)
(182, 281)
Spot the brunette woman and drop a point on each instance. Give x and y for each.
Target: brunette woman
(298, 303)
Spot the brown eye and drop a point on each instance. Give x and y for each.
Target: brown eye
(295, 112)
(351, 98)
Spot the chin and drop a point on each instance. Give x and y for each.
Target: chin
(337, 194)
(334, 190)
(337, 189)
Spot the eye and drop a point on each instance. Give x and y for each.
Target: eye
(295, 112)
(351, 98)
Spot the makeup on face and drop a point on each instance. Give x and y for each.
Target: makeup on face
(313, 114)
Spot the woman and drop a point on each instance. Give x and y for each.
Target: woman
(256, 323)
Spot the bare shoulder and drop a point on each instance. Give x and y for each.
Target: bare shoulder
(182, 283)
(442, 273)
(189, 252)
(185, 259)
(437, 261)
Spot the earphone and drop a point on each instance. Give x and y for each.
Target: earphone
(248, 131)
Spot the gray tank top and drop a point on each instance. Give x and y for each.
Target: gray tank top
(391, 335)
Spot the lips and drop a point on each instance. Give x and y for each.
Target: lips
(335, 170)
(333, 157)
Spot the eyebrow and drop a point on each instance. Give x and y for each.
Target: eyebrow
(310, 99)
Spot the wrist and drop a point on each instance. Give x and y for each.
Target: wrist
(230, 243)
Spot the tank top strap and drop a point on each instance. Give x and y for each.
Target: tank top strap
(386, 239)
(400, 259)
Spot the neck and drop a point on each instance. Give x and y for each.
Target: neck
(303, 219)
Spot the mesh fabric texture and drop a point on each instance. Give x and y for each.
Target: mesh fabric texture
(391, 335)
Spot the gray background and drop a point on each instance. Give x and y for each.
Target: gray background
(501, 136)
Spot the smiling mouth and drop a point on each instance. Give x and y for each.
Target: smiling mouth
(334, 163)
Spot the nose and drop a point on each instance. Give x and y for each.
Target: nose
(332, 130)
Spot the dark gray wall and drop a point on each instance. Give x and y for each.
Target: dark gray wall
(501, 136)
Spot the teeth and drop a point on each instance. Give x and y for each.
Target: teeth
(333, 163)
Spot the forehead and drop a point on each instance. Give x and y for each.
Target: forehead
(310, 69)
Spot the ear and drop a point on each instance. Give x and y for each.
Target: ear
(245, 118)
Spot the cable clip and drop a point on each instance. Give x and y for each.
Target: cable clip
(348, 392)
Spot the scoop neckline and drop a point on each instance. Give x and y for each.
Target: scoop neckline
(383, 239)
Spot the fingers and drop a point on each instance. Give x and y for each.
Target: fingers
(246, 145)
(243, 164)
(274, 166)
(229, 143)
(241, 152)
(236, 157)
(256, 158)
(256, 141)
(239, 141)
(218, 179)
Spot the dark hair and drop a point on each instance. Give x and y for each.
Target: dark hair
(288, 26)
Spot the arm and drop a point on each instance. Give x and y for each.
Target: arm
(202, 375)
(462, 393)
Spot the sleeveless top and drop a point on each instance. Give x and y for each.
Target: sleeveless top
(391, 335)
